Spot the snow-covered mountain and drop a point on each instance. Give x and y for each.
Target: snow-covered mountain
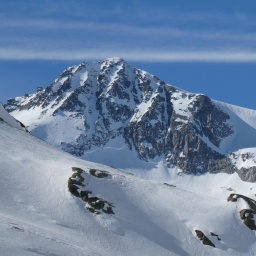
(55, 204)
(115, 114)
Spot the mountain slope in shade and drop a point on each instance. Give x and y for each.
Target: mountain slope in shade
(10, 120)
(113, 113)
(39, 215)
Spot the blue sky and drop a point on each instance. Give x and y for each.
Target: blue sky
(202, 46)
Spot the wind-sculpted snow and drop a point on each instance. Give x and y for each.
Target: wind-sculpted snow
(95, 103)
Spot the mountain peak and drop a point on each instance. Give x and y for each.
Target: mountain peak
(114, 60)
(101, 105)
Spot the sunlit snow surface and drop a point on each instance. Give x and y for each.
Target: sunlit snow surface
(39, 216)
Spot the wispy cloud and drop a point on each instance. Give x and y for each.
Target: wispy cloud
(131, 54)
(169, 31)
(42, 34)
(150, 34)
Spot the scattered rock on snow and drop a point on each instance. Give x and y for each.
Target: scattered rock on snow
(247, 215)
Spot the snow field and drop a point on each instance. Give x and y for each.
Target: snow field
(39, 216)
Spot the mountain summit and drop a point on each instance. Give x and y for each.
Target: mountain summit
(113, 113)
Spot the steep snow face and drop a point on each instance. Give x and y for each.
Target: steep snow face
(7, 118)
(243, 121)
(94, 106)
(39, 215)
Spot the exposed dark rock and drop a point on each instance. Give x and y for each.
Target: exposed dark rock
(210, 119)
(213, 234)
(247, 174)
(98, 173)
(77, 187)
(247, 215)
(232, 198)
(169, 185)
(205, 240)
(251, 202)
(222, 164)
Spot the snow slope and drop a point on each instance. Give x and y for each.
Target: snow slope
(39, 216)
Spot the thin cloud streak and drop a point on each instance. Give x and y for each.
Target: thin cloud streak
(140, 15)
(132, 55)
(52, 29)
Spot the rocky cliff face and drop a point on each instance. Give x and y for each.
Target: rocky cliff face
(95, 102)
